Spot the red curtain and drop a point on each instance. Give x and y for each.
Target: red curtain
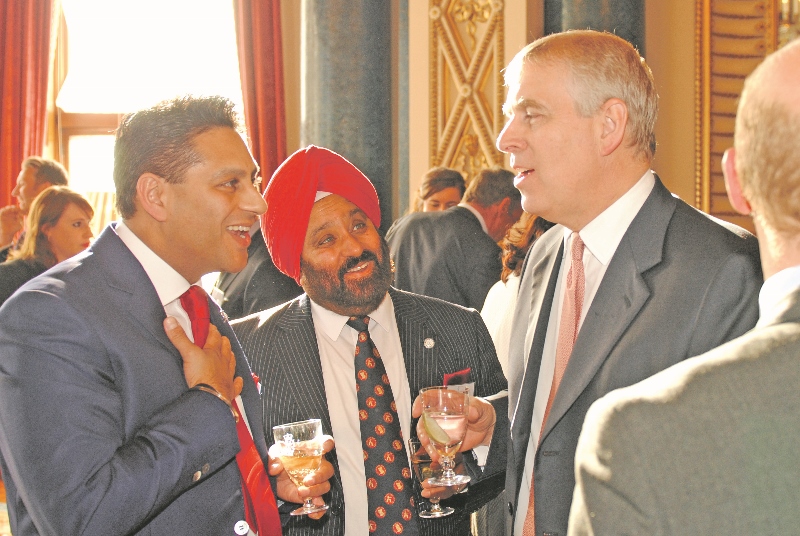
(25, 34)
(258, 35)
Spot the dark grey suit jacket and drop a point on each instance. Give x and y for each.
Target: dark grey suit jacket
(282, 348)
(679, 284)
(445, 255)
(98, 431)
(709, 446)
(259, 286)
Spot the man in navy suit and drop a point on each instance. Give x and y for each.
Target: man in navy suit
(321, 228)
(111, 420)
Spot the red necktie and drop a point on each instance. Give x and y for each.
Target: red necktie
(567, 333)
(261, 510)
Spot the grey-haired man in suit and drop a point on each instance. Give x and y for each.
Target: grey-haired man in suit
(321, 228)
(709, 446)
(631, 281)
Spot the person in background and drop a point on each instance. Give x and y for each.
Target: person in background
(453, 255)
(630, 281)
(321, 227)
(441, 188)
(709, 446)
(498, 309)
(58, 228)
(36, 175)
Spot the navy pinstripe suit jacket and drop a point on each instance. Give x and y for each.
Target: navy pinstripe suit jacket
(281, 346)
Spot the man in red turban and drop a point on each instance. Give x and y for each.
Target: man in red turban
(304, 178)
(353, 352)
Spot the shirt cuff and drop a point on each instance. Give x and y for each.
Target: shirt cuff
(481, 453)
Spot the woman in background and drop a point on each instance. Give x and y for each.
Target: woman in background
(441, 188)
(498, 309)
(57, 229)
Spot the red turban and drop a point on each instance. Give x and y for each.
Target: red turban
(290, 195)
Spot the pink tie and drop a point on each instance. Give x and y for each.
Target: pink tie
(261, 510)
(567, 333)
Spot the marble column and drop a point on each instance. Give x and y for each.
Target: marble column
(624, 18)
(346, 86)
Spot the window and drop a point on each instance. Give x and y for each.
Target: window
(129, 54)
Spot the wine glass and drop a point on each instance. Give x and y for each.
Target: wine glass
(444, 419)
(300, 450)
(424, 469)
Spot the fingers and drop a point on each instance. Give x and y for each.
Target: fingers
(319, 501)
(318, 480)
(238, 384)
(176, 335)
(416, 407)
(328, 443)
(480, 425)
(275, 467)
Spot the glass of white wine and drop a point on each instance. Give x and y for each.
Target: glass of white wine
(300, 450)
(444, 419)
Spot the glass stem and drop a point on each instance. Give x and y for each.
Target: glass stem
(448, 464)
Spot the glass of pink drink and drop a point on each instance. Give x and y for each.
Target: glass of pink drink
(444, 419)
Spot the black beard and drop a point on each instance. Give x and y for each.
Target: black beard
(334, 293)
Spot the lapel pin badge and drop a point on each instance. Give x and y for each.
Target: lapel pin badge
(429, 343)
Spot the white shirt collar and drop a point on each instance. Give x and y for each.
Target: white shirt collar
(477, 215)
(169, 284)
(331, 323)
(774, 290)
(603, 234)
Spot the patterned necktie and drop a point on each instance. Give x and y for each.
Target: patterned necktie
(261, 509)
(388, 477)
(567, 333)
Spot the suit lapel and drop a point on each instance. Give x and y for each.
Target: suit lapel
(528, 311)
(412, 325)
(540, 306)
(304, 372)
(125, 273)
(621, 294)
(250, 396)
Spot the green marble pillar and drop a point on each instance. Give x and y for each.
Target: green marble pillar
(624, 18)
(346, 86)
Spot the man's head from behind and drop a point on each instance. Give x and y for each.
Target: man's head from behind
(36, 175)
(492, 190)
(184, 180)
(321, 229)
(763, 171)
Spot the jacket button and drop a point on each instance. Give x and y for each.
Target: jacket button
(206, 468)
(511, 509)
(196, 476)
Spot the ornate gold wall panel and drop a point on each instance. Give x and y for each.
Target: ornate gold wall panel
(732, 37)
(466, 85)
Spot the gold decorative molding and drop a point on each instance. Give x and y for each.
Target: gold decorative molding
(731, 38)
(466, 84)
